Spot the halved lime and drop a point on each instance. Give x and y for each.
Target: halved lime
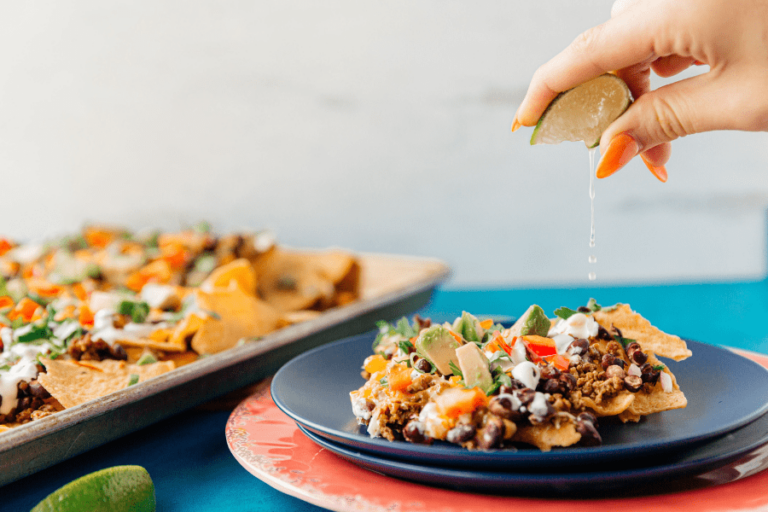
(584, 112)
(115, 489)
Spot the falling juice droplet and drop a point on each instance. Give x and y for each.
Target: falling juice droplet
(592, 276)
(592, 196)
(593, 259)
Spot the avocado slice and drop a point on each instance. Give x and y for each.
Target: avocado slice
(468, 326)
(534, 321)
(437, 345)
(474, 367)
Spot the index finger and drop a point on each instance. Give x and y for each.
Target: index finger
(618, 43)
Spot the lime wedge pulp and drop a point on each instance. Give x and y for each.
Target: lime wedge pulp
(115, 489)
(584, 112)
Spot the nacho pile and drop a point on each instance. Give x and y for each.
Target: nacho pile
(90, 314)
(544, 382)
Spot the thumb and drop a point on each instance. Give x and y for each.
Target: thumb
(693, 105)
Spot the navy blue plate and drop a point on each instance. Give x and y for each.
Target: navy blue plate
(739, 448)
(725, 391)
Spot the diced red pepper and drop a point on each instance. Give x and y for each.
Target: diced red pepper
(540, 345)
(562, 363)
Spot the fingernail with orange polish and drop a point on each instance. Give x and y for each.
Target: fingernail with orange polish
(621, 150)
(659, 171)
(515, 124)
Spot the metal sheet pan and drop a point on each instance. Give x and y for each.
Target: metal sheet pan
(391, 286)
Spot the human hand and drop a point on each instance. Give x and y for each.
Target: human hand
(666, 36)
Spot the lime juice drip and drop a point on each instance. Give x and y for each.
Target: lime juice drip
(592, 258)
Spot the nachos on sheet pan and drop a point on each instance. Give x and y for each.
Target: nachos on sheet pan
(93, 313)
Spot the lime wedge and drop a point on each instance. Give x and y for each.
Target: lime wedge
(584, 112)
(116, 489)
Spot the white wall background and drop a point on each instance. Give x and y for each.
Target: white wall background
(375, 125)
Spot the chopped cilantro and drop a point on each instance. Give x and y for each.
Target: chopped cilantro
(455, 369)
(624, 341)
(403, 328)
(593, 305)
(38, 332)
(146, 359)
(565, 313)
(134, 379)
(405, 346)
(138, 311)
(213, 314)
(5, 367)
(658, 367)
(202, 227)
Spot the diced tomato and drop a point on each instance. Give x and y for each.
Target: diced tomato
(562, 363)
(374, 363)
(86, 316)
(79, 290)
(453, 402)
(25, 310)
(98, 238)
(44, 288)
(6, 302)
(5, 246)
(486, 324)
(540, 345)
(399, 378)
(175, 255)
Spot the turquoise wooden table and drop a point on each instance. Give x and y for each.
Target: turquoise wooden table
(193, 470)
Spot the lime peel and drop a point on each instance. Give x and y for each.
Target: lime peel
(584, 112)
(115, 489)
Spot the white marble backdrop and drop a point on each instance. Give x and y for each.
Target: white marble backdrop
(375, 125)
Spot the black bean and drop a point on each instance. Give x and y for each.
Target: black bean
(22, 389)
(414, 432)
(638, 357)
(633, 383)
(515, 384)
(578, 346)
(568, 380)
(552, 386)
(36, 389)
(461, 433)
(589, 434)
(603, 334)
(620, 362)
(649, 375)
(607, 360)
(583, 309)
(422, 322)
(423, 365)
(615, 371)
(587, 416)
(118, 352)
(549, 372)
(491, 435)
(501, 406)
(525, 396)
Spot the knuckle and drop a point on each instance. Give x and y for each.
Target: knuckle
(670, 123)
(588, 41)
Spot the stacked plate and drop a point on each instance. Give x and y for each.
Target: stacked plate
(724, 421)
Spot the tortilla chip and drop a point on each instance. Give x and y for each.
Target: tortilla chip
(546, 436)
(613, 406)
(72, 383)
(155, 344)
(628, 416)
(636, 327)
(305, 315)
(292, 281)
(235, 315)
(181, 358)
(658, 400)
(240, 271)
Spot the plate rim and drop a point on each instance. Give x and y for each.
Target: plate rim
(467, 458)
